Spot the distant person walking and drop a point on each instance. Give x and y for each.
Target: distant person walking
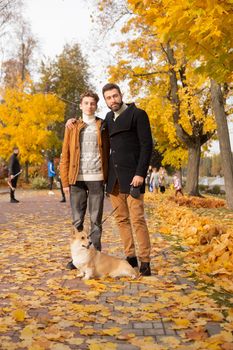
(14, 170)
(162, 179)
(177, 185)
(154, 180)
(51, 175)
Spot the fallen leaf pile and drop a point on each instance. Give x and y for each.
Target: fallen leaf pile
(44, 306)
(198, 202)
(208, 237)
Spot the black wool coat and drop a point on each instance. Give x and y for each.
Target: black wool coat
(131, 147)
(14, 165)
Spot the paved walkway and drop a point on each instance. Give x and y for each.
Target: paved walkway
(44, 306)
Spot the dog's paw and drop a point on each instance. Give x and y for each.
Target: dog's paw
(86, 277)
(80, 274)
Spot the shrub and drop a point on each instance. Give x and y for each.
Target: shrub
(203, 188)
(39, 183)
(216, 189)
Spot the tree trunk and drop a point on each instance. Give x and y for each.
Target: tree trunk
(179, 173)
(27, 172)
(224, 140)
(194, 156)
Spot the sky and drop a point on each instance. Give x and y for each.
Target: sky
(57, 22)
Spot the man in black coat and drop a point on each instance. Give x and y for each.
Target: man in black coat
(131, 147)
(14, 169)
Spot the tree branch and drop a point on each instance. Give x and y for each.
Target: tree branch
(150, 73)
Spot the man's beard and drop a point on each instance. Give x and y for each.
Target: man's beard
(117, 107)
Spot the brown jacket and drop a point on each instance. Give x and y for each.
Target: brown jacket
(69, 166)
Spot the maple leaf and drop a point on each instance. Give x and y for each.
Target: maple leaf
(198, 333)
(111, 331)
(75, 341)
(19, 315)
(87, 331)
(26, 333)
(180, 323)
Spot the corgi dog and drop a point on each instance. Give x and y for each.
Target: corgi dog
(93, 264)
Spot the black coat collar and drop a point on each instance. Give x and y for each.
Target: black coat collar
(123, 122)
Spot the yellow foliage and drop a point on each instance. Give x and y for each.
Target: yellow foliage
(203, 28)
(148, 71)
(27, 120)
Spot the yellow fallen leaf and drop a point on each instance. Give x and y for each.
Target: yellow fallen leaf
(180, 323)
(26, 333)
(104, 346)
(75, 341)
(19, 315)
(87, 331)
(165, 230)
(59, 347)
(172, 341)
(111, 331)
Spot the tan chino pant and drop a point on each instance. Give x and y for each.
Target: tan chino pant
(130, 218)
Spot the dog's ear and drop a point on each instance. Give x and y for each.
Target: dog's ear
(73, 231)
(86, 228)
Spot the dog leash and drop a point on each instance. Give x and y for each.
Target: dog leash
(108, 216)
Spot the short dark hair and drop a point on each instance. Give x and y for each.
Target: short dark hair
(89, 93)
(110, 86)
(15, 148)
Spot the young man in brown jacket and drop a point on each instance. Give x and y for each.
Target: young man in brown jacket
(84, 167)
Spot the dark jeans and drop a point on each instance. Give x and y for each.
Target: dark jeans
(13, 184)
(50, 183)
(61, 188)
(94, 192)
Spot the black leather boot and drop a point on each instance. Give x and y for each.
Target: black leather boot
(13, 200)
(132, 260)
(145, 269)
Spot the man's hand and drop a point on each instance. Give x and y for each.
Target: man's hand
(66, 190)
(11, 177)
(70, 123)
(137, 181)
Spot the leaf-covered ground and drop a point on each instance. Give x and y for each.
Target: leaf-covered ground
(186, 304)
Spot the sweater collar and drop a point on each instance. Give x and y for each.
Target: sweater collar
(120, 111)
(88, 119)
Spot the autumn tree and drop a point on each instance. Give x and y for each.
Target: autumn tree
(20, 65)
(177, 101)
(8, 12)
(26, 121)
(205, 31)
(67, 77)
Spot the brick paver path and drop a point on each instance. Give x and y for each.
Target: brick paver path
(59, 308)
